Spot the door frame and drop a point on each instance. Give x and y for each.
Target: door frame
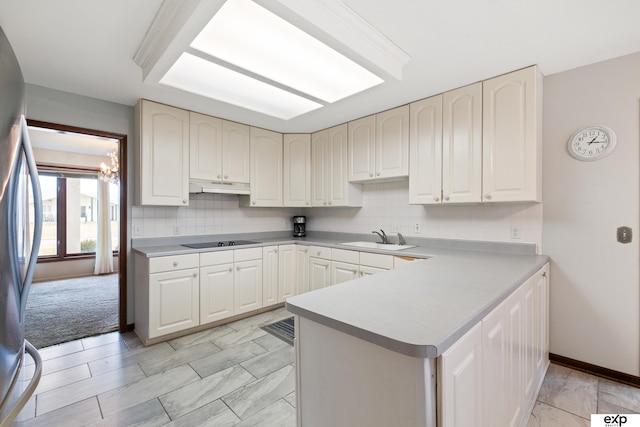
(122, 158)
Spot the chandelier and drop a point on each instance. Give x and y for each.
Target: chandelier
(110, 173)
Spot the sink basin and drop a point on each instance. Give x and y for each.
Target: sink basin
(374, 245)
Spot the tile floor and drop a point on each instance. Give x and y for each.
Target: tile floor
(234, 375)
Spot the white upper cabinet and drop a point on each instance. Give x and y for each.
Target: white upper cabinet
(425, 177)
(205, 147)
(266, 168)
(478, 143)
(462, 145)
(163, 169)
(379, 146)
(329, 184)
(297, 170)
(392, 143)
(218, 149)
(236, 152)
(512, 132)
(361, 148)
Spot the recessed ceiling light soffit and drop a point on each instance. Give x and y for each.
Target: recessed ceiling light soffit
(248, 56)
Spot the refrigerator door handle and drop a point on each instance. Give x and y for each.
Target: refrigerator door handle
(31, 388)
(37, 211)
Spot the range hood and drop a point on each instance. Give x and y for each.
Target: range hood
(201, 186)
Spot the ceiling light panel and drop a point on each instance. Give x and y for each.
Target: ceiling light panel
(249, 36)
(196, 75)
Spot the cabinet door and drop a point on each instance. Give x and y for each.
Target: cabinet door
(512, 137)
(338, 183)
(297, 170)
(164, 155)
(302, 269)
(247, 286)
(205, 147)
(461, 381)
(542, 321)
(319, 273)
(236, 152)
(269, 275)
(173, 301)
(462, 145)
(266, 168)
(343, 272)
(495, 366)
(216, 293)
(392, 143)
(287, 269)
(425, 172)
(361, 148)
(319, 168)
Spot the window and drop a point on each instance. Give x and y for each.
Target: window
(70, 223)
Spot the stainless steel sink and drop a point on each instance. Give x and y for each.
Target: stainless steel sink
(374, 245)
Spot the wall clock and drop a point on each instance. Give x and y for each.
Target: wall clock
(592, 143)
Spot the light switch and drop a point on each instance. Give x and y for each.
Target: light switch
(624, 234)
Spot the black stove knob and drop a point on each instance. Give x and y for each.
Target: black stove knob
(232, 243)
(220, 243)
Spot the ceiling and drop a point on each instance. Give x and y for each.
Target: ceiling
(87, 47)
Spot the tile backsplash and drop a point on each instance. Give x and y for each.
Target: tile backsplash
(385, 206)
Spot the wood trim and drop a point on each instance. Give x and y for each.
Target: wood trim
(123, 159)
(598, 371)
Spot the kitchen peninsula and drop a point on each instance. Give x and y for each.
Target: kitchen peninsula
(370, 352)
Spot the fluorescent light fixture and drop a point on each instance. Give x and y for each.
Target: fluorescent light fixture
(249, 36)
(199, 76)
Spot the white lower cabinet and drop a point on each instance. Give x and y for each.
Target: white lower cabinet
(491, 376)
(343, 272)
(247, 280)
(167, 295)
(216, 292)
(319, 273)
(270, 275)
(302, 269)
(293, 270)
(460, 379)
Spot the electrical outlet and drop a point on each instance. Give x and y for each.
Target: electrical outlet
(176, 230)
(137, 230)
(417, 228)
(395, 228)
(515, 232)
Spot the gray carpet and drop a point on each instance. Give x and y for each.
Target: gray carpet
(66, 310)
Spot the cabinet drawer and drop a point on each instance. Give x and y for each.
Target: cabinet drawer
(247, 254)
(376, 260)
(345, 255)
(320, 252)
(172, 263)
(216, 258)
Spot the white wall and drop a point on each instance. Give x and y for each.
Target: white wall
(595, 301)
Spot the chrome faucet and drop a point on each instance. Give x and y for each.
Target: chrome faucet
(383, 236)
(401, 240)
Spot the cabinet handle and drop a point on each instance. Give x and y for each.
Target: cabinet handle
(437, 199)
(226, 177)
(184, 202)
(370, 175)
(487, 196)
(378, 174)
(195, 274)
(175, 263)
(325, 203)
(219, 176)
(318, 253)
(446, 198)
(253, 203)
(544, 274)
(307, 203)
(230, 269)
(238, 268)
(329, 203)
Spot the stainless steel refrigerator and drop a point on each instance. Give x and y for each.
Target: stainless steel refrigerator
(20, 231)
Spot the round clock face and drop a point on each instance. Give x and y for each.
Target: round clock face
(591, 143)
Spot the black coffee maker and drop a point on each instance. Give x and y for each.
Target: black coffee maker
(299, 223)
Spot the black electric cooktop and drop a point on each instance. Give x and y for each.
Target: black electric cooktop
(219, 244)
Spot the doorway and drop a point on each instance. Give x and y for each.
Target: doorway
(120, 155)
